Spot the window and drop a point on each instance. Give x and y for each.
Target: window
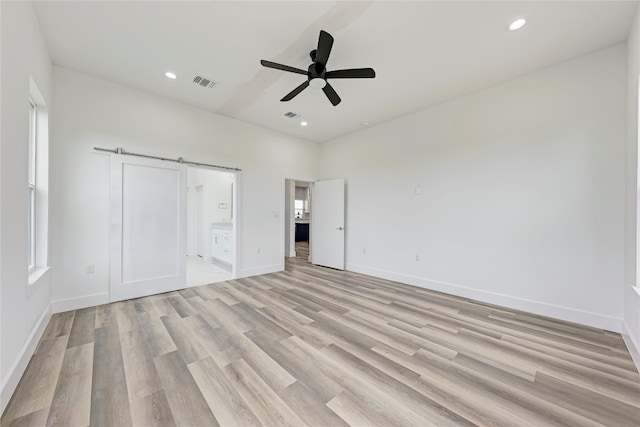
(37, 203)
(301, 204)
(31, 185)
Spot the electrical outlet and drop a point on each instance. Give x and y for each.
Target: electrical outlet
(417, 258)
(91, 269)
(418, 190)
(364, 251)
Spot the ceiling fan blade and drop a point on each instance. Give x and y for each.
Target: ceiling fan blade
(354, 73)
(270, 64)
(331, 94)
(325, 42)
(296, 91)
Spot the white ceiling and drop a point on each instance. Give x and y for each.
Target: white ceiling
(423, 52)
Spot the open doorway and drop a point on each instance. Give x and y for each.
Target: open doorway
(298, 211)
(211, 230)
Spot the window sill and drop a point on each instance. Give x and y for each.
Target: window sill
(34, 279)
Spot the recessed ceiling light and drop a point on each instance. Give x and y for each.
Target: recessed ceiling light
(303, 123)
(365, 123)
(170, 75)
(517, 24)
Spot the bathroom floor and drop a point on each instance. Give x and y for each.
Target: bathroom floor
(201, 271)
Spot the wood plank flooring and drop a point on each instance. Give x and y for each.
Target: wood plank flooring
(318, 347)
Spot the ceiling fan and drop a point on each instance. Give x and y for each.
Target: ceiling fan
(317, 73)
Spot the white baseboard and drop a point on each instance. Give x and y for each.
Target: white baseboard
(632, 345)
(62, 305)
(20, 365)
(563, 313)
(261, 270)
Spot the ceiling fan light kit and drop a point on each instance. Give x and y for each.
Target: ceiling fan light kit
(317, 83)
(317, 73)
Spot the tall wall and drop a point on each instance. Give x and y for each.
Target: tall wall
(631, 330)
(91, 112)
(24, 308)
(522, 198)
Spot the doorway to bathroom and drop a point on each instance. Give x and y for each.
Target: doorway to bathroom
(211, 226)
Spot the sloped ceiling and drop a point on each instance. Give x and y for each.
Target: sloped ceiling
(423, 52)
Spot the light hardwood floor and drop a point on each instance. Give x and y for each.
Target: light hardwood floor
(313, 346)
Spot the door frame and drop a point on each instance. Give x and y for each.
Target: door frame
(285, 223)
(237, 222)
(236, 206)
(199, 226)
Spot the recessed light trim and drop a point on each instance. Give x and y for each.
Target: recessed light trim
(170, 75)
(365, 123)
(517, 24)
(303, 123)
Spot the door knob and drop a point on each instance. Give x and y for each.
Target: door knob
(340, 228)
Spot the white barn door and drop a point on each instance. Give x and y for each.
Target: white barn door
(148, 227)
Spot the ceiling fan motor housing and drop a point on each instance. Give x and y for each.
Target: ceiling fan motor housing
(317, 71)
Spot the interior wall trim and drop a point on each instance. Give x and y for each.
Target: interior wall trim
(261, 270)
(632, 345)
(20, 365)
(62, 305)
(595, 320)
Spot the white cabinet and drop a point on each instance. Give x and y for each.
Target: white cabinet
(222, 244)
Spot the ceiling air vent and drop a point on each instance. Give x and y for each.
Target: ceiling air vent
(291, 115)
(204, 81)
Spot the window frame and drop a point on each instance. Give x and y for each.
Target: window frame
(32, 185)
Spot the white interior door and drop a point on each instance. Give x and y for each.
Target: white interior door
(148, 227)
(327, 240)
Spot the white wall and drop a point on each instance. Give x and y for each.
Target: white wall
(92, 112)
(218, 190)
(23, 314)
(631, 330)
(522, 193)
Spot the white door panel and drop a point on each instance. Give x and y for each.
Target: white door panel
(327, 237)
(148, 227)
